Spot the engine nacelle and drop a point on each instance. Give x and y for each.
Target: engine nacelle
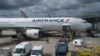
(78, 42)
(32, 33)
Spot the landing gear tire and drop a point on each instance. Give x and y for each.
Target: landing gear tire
(26, 38)
(0, 33)
(43, 34)
(14, 36)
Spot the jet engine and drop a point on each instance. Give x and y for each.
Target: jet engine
(32, 33)
(78, 42)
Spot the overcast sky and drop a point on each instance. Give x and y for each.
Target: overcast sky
(54, 8)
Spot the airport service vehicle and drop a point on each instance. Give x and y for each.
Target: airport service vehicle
(96, 34)
(84, 50)
(61, 48)
(5, 52)
(37, 51)
(33, 27)
(22, 49)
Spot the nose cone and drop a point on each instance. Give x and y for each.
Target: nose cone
(89, 25)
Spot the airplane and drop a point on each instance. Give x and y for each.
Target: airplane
(32, 27)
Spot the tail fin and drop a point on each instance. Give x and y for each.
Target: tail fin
(23, 14)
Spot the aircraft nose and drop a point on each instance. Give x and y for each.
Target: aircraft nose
(89, 25)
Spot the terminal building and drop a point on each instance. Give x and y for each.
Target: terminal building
(95, 21)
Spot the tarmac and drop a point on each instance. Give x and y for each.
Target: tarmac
(48, 48)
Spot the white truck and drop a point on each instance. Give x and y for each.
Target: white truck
(22, 49)
(37, 51)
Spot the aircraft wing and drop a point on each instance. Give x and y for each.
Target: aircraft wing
(19, 26)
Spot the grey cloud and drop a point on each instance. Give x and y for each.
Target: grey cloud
(87, 1)
(90, 10)
(59, 4)
(10, 13)
(15, 4)
(55, 8)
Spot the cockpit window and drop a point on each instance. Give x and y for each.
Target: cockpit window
(85, 22)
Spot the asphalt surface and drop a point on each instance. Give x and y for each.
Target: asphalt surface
(48, 48)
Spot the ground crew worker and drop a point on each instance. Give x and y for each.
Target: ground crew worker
(47, 40)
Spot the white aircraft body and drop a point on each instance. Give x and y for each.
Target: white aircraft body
(31, 27)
